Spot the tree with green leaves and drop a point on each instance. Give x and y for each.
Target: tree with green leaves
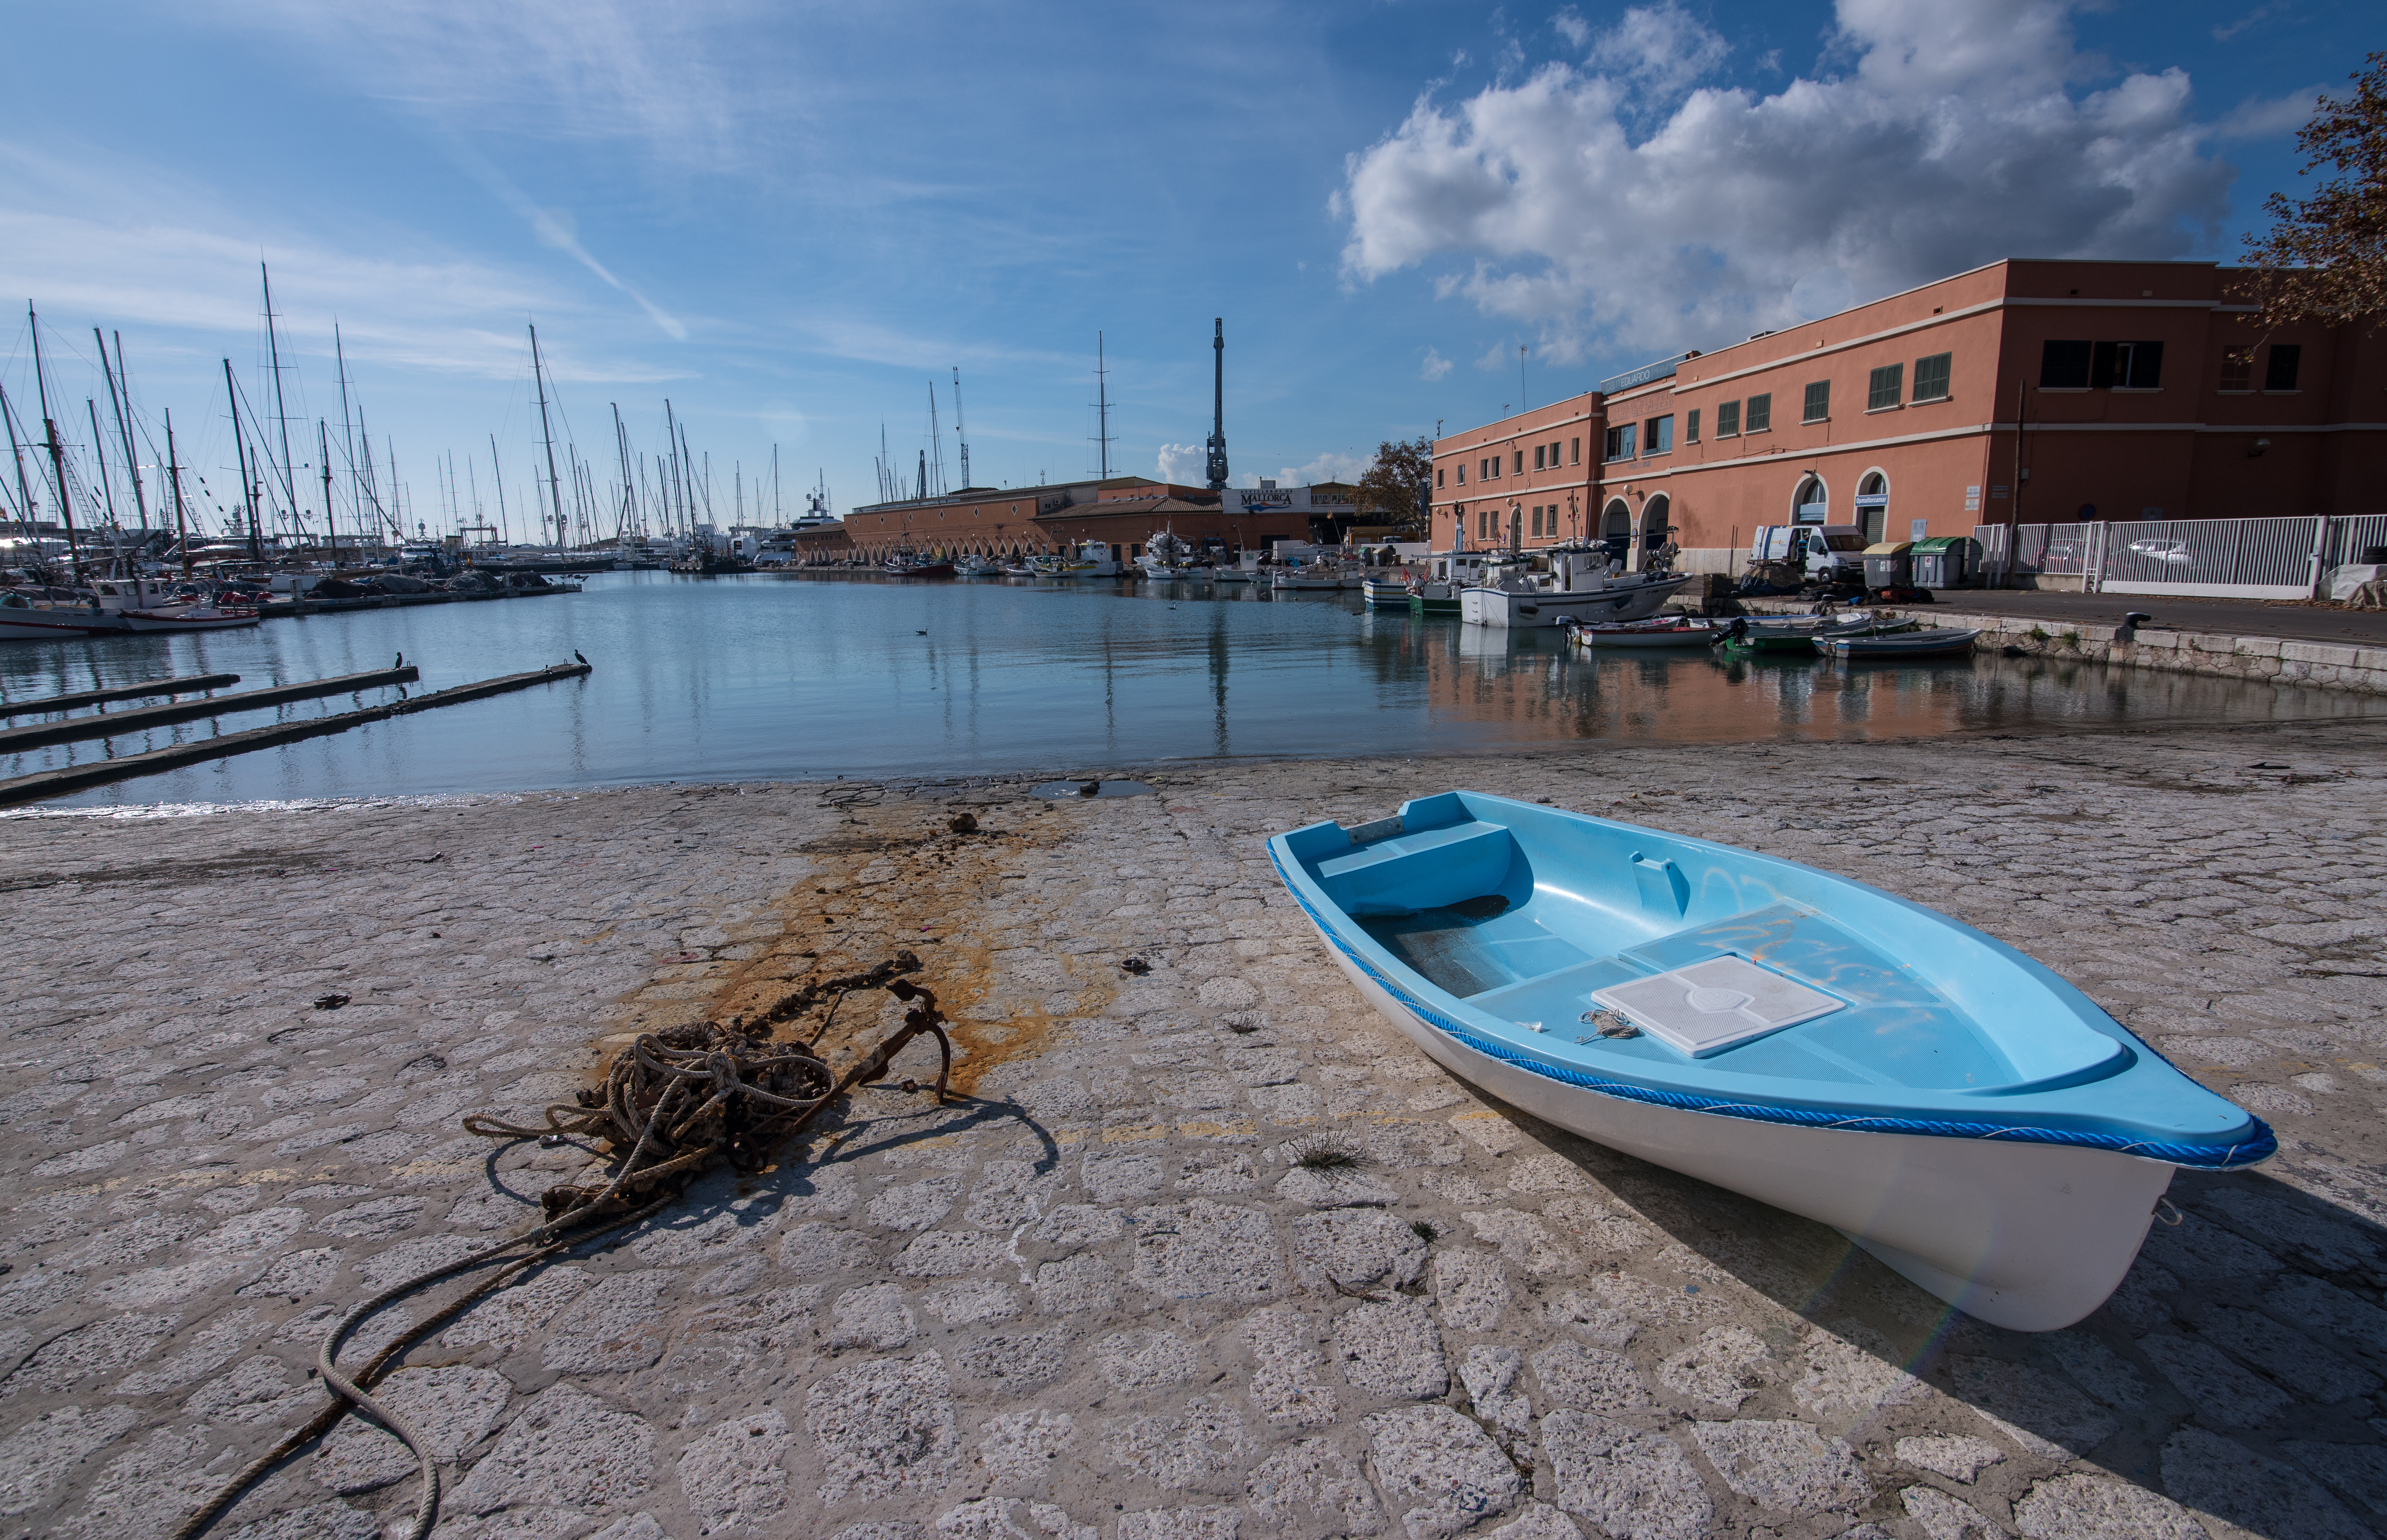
(2324, 259)
(1394, 490)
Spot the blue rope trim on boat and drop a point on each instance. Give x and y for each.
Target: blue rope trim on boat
(2260, 1147)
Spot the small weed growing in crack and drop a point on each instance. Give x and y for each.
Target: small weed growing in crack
(1325, 1154)
(1426, 1230)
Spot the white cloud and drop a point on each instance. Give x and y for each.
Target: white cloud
(1326, 467)
(1435, 367)
(1955, 139)
(1660, 48)
(1572, 27)
(1184, 464)
(2255, 119)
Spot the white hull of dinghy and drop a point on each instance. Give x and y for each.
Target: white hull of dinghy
(2031, 1237)
(1510, 610)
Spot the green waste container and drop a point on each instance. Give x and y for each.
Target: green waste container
(1946, 561)
(1888, 564)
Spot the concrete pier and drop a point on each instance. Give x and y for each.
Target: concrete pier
(1101, 1298)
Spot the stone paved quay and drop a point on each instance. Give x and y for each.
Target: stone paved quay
(1098, 1301)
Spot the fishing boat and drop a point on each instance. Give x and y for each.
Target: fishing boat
(1561, 587)
(1435, 592)
(1386, 593)
(1165, 557)
(1670, 632)
(195, 615)
(47, 614)
(902, 567)
(1940, 642)
(1309, 577)
(1800, 634)
(978, 566)
(1951, 1105)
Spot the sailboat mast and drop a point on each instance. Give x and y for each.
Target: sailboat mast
(17, 456)
(99, 448)
(348, 431)
(547, 431)
(174, 480)
(324, 453)
(629, 490)
(120, 397)
(58, 455)
(504, 530)
(240, 453)
(280, 412)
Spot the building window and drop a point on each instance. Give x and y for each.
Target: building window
(2238, 368)
(2065, 365)
(2126, 366)
(1620, 442)
(2280, 370)
(1537, 521)
(1437, 478)
(1575, 451)
(1886, 389)
(1760, 415)
(1691, 426)
(1931, 378)
(1520, 463)
(1461, 469)
(1554, 454)
(1819, 403)
(1727, 418)
(1537, 465)
(1660, 436)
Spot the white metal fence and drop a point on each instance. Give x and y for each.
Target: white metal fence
(2223, 558)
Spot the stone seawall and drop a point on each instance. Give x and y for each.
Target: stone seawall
(2273, 660)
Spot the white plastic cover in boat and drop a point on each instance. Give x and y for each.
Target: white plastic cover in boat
(1708, 1006)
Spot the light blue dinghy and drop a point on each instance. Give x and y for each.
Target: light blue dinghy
(1951, 1105)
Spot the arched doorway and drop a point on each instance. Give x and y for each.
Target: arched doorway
(1873, 507)
(1655, 515)
(1616, 530)
(1812, 504)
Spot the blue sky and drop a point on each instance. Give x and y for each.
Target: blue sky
(791, 220)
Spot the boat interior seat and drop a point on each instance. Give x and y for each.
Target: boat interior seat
(1894, 1029)
(1421, 870)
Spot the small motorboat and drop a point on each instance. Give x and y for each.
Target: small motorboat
(1940, 642)
(1386, 593)
(1798, 634)
(197, 615)
(978, 566)
(1949, 1105)
(1669, 632)
(1562, 585)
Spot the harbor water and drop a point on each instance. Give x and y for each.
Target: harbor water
(815, 677)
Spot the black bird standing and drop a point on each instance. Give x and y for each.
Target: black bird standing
(401, 662)
(583, 663)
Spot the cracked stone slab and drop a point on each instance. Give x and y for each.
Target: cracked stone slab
(883, 1427)
(1285, 1365)
(1958, 1458)
(1392, 1348)
(1310, 1489)
(567, 1448)
(1438, 1469)
(1205, 1250)
(1635, 1485)
(1785, 1466)
(1355, 1247)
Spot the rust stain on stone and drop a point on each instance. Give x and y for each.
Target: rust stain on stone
(895, 878)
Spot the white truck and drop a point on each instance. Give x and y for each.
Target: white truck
(1827, 555)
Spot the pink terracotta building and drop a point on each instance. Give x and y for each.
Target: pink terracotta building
(2032, 392)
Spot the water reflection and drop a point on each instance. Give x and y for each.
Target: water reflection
(767, 678)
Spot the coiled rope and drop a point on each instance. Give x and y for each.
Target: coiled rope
(675, 1100)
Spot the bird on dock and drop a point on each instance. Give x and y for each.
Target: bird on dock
(583, 663)
(919, 633)
(401, 662)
